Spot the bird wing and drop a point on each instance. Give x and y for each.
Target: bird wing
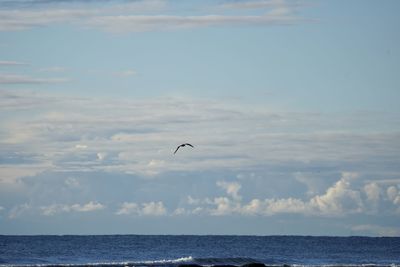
(189, 145)
(177, 149)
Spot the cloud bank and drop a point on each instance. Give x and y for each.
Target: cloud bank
(339, 200)
(247, 162)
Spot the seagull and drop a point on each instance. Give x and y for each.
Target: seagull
(186, 144)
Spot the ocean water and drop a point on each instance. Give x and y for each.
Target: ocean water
(171, 251)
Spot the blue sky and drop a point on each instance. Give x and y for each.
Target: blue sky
(292, 107)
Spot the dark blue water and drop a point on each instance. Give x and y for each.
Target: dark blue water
(136, 250)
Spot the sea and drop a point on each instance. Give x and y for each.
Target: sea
(174, 251)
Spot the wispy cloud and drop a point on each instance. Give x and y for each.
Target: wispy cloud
(163, 22)
(24, 79)
(114, 132)
(263, 4)
(53, 69)
(12, 63)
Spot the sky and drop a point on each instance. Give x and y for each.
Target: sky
(291, 106)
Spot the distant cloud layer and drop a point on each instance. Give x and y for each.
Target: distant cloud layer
(80, 138)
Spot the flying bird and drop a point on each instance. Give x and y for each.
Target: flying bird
(186, 144)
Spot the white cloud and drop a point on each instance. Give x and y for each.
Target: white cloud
(394, 196)
(339, 198)
(60, 208)
(288, 205)
(392, 193)
(101, 156)
(91, 206)
(193, 201)
(179, 211)
(143, 209)
(153, 209)
(128, 208)
(373, 192)
(225, 206)
(232, 188)
(54, 209)
(15, 20)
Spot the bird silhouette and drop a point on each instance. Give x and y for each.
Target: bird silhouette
(185, 144)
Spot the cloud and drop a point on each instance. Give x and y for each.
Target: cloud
(128, 208)
(393, 193)
(90, 206)
(118, 4)
(232, 188)
(12, 63)
(153, 209)
(53, 69)
(394, 196)
(11, 173)
(101, 156)
(126, 136)
(23, 79)
(16, 20)
(264, 4)
(60, 208)
(291, 162)
(138, 23)
(373, 192)
(339, 199)
(72, 182)
(144, 209)
(11, 100)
